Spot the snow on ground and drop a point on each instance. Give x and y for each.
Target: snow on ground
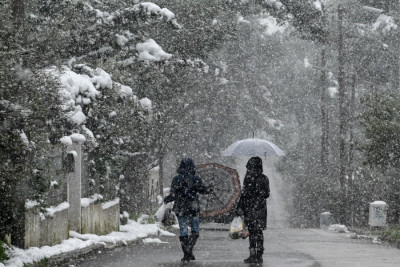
(338, 228)
(152, 240)
(129, 232)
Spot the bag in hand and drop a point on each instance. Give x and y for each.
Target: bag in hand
(236, 228)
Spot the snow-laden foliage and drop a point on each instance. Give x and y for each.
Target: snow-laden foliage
(140, 80)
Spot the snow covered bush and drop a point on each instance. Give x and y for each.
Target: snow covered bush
(31, 123)
(3, 252)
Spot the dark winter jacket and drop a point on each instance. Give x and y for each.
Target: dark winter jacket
(184, 189)
(252, 203)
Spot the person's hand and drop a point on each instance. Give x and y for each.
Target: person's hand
(211, 188)
(238, 213)
(168, 199)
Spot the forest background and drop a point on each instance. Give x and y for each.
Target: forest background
(321, 79)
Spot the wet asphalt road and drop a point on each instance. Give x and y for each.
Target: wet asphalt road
(214, 248)
(284, 247)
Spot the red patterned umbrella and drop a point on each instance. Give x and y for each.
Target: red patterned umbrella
(226, 189)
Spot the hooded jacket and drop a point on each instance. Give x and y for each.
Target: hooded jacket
(184, 189)
(255, 191)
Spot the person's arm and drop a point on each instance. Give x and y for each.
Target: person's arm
(239, 208)
(264, 192)
(172, 190)
(201, 188)
(246, 187)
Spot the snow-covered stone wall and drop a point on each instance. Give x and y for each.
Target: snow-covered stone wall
(46, 229)
(100, 218)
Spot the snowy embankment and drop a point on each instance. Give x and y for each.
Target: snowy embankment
(130, 232)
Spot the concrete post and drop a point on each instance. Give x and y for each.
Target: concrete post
(74, 167)
(377, 214)
(325, 220)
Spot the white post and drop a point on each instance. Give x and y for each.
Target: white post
(377, 214)
(325, 220)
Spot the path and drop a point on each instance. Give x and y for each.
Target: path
(284, 247)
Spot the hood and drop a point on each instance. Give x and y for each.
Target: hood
(187, 166)
(255, 164)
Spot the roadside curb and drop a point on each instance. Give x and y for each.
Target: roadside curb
(75, 256)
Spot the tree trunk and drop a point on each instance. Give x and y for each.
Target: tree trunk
(342, 117)
(18, 12)
(161, 177)
(350, 170)
(324, 114)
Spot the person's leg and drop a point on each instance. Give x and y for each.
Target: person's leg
(253, 245)
(183, 238)
(259, 245)
(195, 226)
(183, 225)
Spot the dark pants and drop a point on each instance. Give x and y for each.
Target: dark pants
(256, 240)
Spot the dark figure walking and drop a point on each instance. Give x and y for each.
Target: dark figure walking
(253, 206)
(184, 189)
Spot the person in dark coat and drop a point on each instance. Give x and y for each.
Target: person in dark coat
(184, 189)
(253, 206)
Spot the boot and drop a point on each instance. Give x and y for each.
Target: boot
(192, 241)
(253, 256)
(184, 243)
(259, 255)
(260, 251)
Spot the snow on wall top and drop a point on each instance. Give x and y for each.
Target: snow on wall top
(31, 203)
(379, 203)
(52, 210)
(85, 202)
(109, 204)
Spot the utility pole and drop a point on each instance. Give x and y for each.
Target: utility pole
(342, 116)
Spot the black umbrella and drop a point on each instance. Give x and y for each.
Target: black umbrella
(226, 192)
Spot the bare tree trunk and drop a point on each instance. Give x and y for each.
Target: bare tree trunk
(350, 170)
(324, 114)
(18, 12)
(161, 177)
(342, 117)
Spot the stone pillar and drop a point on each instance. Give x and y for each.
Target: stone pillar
(74, 168)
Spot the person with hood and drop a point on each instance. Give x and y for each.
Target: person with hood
(253, 206)
(184, 189)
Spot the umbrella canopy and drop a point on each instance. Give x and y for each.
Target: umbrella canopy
(226, 189)
(252, 148)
